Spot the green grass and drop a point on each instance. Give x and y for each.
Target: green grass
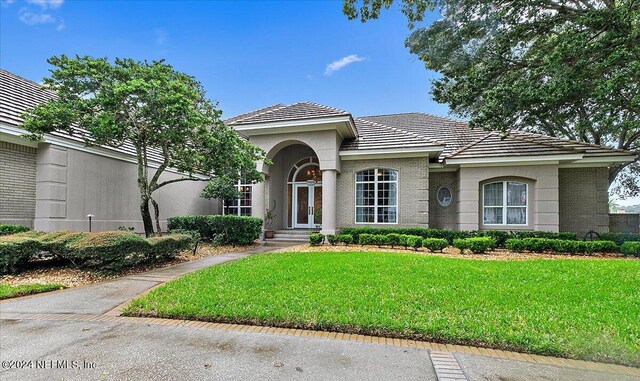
(7, 291)
(585, 309)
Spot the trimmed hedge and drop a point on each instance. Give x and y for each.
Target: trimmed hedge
(8, 229)
(347, 239)
(499, 236)
(619, 238)
(630, 248)
(476, 244)
(15, 252)
(435, 244)
(316, 239)
(541, 245)
(332, 239)
(236, 230)
(107, 251)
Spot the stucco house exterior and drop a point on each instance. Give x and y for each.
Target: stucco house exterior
(327, 170)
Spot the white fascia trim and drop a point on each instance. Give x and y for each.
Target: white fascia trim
(294, 125)
(438, 167)
(389, 153)
(517, 160)
(78, 146)
(602, 161)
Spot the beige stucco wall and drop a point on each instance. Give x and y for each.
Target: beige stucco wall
(413, 191)
(443, 217)
(17, 184)
(72, 184)
(543, 195)
(584, 199)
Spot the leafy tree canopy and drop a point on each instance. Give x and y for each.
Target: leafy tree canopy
(569, 69)
(162, 113)
(222, 188)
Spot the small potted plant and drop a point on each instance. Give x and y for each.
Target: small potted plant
(269, 216)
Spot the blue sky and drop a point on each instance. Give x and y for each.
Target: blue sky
(247, 54)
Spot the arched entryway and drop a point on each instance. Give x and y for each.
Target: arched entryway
(304, 198)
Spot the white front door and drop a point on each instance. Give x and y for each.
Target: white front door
(308, 202)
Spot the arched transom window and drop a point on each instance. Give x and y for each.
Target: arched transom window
(377, 196)
(505, 203)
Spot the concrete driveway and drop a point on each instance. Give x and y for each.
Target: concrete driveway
(70, 335)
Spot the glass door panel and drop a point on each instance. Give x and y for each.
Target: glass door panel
(317, 205)
(302, 206)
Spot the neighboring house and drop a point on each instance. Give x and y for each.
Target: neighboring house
(328, 170)
(55, 184)
(332, 170)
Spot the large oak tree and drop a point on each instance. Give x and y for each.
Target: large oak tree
(164, 114)
(568, 69)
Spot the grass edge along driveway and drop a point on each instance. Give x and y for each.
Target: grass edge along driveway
(9, 291)
(584, 309)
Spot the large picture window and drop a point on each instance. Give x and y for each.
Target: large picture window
(241, 206)
(377, 196)
(505, 203)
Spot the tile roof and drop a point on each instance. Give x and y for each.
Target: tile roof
(18, 95)
(280, 112)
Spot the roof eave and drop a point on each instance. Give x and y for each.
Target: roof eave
(343, 124)
(391, 153)
(513, 160)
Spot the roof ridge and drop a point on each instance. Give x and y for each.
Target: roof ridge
(568, 140)
(402, 131)
(416, 112)
(265, 110)
(473, 143)
(322, 106)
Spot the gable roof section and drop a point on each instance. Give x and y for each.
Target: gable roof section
(280, 112)
(18, 95)
(372, 135)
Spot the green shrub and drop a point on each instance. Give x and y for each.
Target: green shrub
(475, 244)
(332, 239)
(236, 230)
(379, 240)
(435, 244)
(108, 251)
(365, 239)
(414, 242)
(168, 246)
(316, 239)
(15, 252)
(630, 248)
(500, 236)
(194, 234)
(393, 239)
(347, 239)
(8, 229)
(404, 240)
(619, 238)
(540, 245)
(57, 243)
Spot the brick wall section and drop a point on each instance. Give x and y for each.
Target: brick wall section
(413, 191)
(584, 199)
(624, 223)
(442, 217)
(17, 184)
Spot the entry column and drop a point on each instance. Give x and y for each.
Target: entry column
(329, 199)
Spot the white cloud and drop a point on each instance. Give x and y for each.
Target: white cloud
(31, 18)
(161, 36)
(47, 4)
(342, 62)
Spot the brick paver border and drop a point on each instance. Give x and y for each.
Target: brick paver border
(433, 347)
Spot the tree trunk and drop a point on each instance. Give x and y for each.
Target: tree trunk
(146, 216)
(156, 212)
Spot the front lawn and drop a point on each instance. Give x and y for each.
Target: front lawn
(586, 309)
(7, 291)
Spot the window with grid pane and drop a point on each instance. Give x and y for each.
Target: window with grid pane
(377, 196)
(505, 203)
(241, 206)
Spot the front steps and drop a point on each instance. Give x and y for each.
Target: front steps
(290, 236)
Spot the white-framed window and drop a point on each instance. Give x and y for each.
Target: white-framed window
(505, 203)
(445, 196)
(241, 206)
(377, 196)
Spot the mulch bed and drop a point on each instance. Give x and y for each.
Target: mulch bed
(52, 271)
(452, 252)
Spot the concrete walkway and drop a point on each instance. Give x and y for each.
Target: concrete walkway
(75, 334)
